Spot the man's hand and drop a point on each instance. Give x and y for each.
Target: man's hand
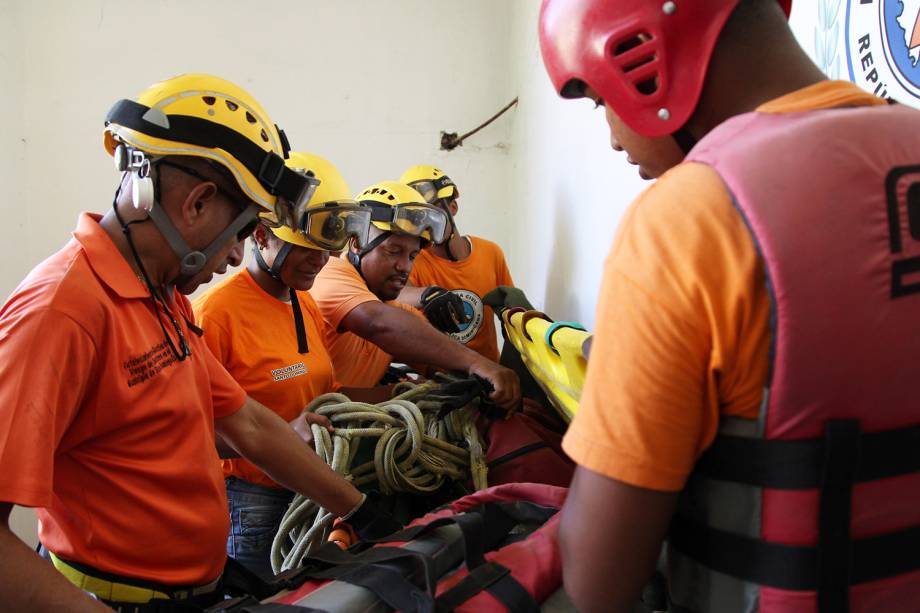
(507, 386)
(369, 520)
(301, 425)
(443, 308)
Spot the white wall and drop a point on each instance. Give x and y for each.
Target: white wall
(368, 84)
(568, 187)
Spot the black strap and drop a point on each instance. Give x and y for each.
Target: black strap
(834, 510)
(498, 581)
(518, 453)
(790, 567)
(798, 464)
(298, 323)
(684, 139)
(267, 166)
(274, 271)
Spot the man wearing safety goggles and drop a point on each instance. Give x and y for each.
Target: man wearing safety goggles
(110, 396)
(289, 366)
(365, 327)
(468, 267)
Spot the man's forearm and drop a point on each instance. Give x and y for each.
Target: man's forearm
(271, 444)
(411, 295)
(410, 340)
(28, 583)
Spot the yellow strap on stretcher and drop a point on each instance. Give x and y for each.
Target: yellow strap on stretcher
(558, 369)
(121, 592)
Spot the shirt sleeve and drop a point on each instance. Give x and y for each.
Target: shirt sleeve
(676, 307)
(46, 362)
(337, 292)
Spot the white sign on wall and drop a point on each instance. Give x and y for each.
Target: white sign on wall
(882, 43)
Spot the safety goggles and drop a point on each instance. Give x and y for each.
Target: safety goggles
(412, 219)
(331, 225)
(429, 188)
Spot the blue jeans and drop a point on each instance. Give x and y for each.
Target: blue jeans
(255, 514)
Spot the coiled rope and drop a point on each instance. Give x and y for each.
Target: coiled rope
(416, 452)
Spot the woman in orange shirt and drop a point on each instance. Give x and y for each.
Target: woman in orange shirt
(248, 320)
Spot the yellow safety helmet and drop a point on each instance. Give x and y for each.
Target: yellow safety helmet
(331, 217)
(430, 182)
(206, 116)
(399, 208)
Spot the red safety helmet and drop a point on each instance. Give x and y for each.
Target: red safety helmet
(647, 59)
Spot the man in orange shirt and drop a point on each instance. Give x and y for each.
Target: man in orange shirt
(264, 327)
(366, 327)
(469, 266)
(109, 396)
(687, 320)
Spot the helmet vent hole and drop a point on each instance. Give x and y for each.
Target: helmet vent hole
(209, 100)
(264, 136)
(648, 86)
(231, 105)
(250, 118)
(630, 43)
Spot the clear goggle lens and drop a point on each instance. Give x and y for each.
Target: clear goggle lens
(331, 225)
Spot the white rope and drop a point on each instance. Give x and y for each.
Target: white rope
(415, 452)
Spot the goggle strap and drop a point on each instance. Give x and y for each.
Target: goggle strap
(267, 166)
(374, 243)
(298, 323)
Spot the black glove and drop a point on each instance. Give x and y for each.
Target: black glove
(370, 521)
(457, 393)
(443, 308)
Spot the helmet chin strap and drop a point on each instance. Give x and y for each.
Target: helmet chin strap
(193, 261)
(684, 139)
(355, 258)
(274, 271)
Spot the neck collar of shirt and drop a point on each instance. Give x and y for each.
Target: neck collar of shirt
(106, 260)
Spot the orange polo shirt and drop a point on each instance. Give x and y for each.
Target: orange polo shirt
(682, 323)
(471, 279)
(102, 429)
(253, 336)
(338, 289)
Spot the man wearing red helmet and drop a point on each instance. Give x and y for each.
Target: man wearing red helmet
(750, 389)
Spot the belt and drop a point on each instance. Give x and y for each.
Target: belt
(125, 590)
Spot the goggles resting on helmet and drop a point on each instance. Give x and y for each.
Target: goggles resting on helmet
(429, 188)
(412, 219)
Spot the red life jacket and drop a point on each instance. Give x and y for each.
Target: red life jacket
(523, 570)
(815, 506)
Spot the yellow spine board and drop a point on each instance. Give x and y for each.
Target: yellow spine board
(561, 375)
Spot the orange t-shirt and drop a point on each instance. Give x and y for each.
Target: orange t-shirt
(103, 430)
(338, 289)
(682, 323)
(471, 279)
(253, 336)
